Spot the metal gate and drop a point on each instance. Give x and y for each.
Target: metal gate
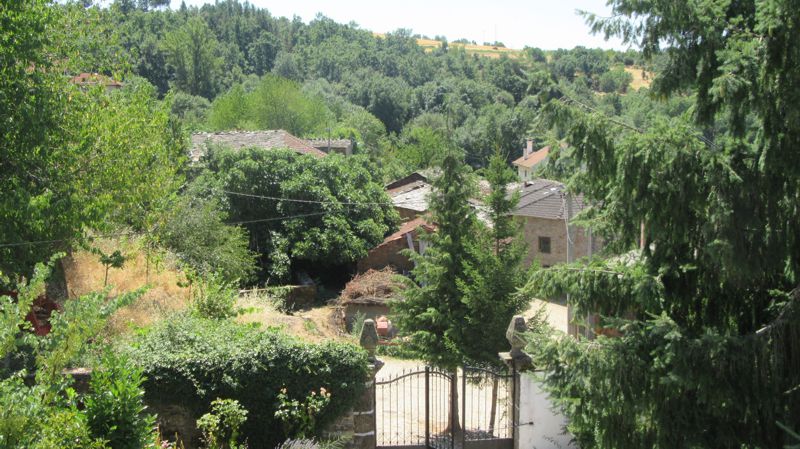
(414, 409)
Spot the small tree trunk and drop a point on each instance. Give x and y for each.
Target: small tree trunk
(494, 405)
(105, 279)
(147, 263)
(454, 423)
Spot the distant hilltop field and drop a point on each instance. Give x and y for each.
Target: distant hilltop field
(482, 50)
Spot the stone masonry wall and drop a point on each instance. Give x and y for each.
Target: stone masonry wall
(556, 230)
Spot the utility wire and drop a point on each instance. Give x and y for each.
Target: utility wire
(120, 234)
(295, 200)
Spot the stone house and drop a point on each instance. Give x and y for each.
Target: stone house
(328, 146)
(410, 195)
(530, 160)
(389, 253)
(545, 209)
(270, 139)
(88, 80)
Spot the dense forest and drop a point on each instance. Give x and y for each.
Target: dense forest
(232, 65)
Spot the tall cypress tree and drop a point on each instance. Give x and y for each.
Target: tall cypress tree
(709, 348)
(494, 271)
(432, 313)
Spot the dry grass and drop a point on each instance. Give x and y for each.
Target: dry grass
(481, 50)
(641, 77)
(373, 283)
(84, 273)
(313, 325)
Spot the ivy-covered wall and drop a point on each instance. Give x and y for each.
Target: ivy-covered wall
(189, 362)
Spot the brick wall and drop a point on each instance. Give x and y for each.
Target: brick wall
(387, 255)
(556, 230)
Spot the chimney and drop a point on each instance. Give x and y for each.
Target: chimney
(528, 149)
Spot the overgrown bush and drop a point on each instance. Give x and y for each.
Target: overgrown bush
(43, 413)
(194, 229)
(114, 407)
(190, 361)
(213, 297)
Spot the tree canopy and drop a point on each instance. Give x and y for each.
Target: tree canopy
(708, 307)
(67, 165)
(327, 210)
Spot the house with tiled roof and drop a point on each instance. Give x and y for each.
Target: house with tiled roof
(527, 163)
(389, 253)
(410, 195)
(328, 146)
(546, 210)
(270, 139)
(87, 80)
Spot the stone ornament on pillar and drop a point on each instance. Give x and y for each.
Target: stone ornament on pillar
(518, 361)
(364, 424)
(515, 334)
(369, 338)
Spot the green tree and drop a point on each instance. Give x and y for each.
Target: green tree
(275, 103)
(616, 80)
(708, 309)
(67, 162)
(495, 271)
(421, 147)
(193, 52)
(194, 228)
(329, 210)
(432, 313)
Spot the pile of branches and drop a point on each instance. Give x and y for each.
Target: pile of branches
(372, 284)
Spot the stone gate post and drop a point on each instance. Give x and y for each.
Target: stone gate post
(364, 423)
(517, 361)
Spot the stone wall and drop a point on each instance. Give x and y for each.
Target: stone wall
(556, 229)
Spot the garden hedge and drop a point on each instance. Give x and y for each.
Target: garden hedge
(192, 361)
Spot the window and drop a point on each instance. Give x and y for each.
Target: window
(544, 245)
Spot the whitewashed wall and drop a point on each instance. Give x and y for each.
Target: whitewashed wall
(547, 430)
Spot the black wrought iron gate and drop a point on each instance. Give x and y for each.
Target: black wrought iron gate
(429, 408)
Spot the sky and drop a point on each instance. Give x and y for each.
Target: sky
(547, 24)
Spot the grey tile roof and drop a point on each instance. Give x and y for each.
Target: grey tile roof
(270, 139)
(543, 198)
(335, 144)
(412, 196)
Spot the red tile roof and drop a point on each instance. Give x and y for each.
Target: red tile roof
(409, 226)
(533, 158)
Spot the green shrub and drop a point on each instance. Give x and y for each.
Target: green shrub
(299, 417)
(221, 427)
(213, 297)
(191, 361)
(67, 429)
(358, 324)
(114, 407)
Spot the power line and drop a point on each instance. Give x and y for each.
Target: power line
(296, 200)
(120, 234)
(277, 218)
